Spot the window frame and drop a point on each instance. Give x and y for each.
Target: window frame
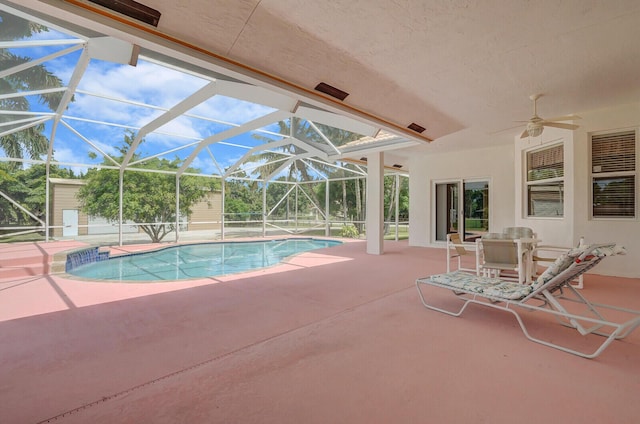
(613, 174)
(544, 181)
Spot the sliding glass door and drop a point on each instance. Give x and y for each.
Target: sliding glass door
(467, 214)
(476, 209)
(447, 209)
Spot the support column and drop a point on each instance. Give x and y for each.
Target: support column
(375, 204)
(47, 202)
(296, 209)
(120, 211)
(178, 208)
(264, 208)
(327, 222)
(222, 210)
(397, 201)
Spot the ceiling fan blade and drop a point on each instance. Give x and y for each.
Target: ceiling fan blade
(560, 125)
(564, 118)
(525, 133)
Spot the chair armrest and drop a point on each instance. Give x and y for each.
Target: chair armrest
(548, 248)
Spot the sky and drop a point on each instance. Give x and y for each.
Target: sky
(113, 99)
(97, 102)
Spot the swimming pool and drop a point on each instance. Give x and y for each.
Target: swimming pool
(197, 260)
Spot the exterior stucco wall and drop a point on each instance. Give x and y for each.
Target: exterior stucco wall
(504, 167)
(556, 231)
(494, 164)
(623, 231)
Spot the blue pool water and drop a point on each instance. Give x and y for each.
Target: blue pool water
(197, 260)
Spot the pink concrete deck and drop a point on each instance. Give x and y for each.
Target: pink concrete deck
(335, 336)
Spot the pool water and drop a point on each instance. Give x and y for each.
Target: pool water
(198, 260)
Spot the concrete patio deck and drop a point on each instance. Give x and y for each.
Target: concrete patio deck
(333, 336)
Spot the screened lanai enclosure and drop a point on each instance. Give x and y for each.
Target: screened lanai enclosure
(125, 137)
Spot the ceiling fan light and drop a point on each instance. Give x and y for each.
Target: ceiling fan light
(534, 130)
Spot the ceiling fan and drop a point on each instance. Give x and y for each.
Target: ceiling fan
(536, 124)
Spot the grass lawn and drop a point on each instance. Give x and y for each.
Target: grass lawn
(22, 237)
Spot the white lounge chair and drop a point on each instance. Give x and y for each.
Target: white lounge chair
(551, 293)
(543, 253)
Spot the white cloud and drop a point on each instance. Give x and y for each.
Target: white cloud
(107, 148)
(98, 109)
(182, 126)
(149, 84)
(206, 166)
(68, 155)
(145, 83)
(231, 110)
(156, 85)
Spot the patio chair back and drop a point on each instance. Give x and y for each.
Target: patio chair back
(503, 254)
(457, 244)
(518, 232)
(500, 254)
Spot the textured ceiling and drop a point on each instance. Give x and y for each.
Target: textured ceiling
(462, 69)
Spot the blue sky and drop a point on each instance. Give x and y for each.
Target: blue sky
(112, 99)
(148, 83)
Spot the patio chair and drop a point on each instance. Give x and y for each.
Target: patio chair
(498, 254)
(550, 294)
(518, 233)
(456, 249)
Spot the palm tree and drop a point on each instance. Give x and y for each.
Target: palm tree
(298, 168)
(298, 130)
(30, 140)
(301, 130)
(341, 137)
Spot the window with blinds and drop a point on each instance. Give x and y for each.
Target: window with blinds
(545, 182)
(545, 199)
(613, 152)
(546, 163)
(613, 172)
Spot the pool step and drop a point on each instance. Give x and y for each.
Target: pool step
(22, 260)
(23, 266)
(8, 273)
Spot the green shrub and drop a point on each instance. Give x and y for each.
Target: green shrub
(349, 231)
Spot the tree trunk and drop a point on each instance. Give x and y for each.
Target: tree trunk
(155, 232)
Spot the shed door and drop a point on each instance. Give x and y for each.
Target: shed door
(69, 222)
